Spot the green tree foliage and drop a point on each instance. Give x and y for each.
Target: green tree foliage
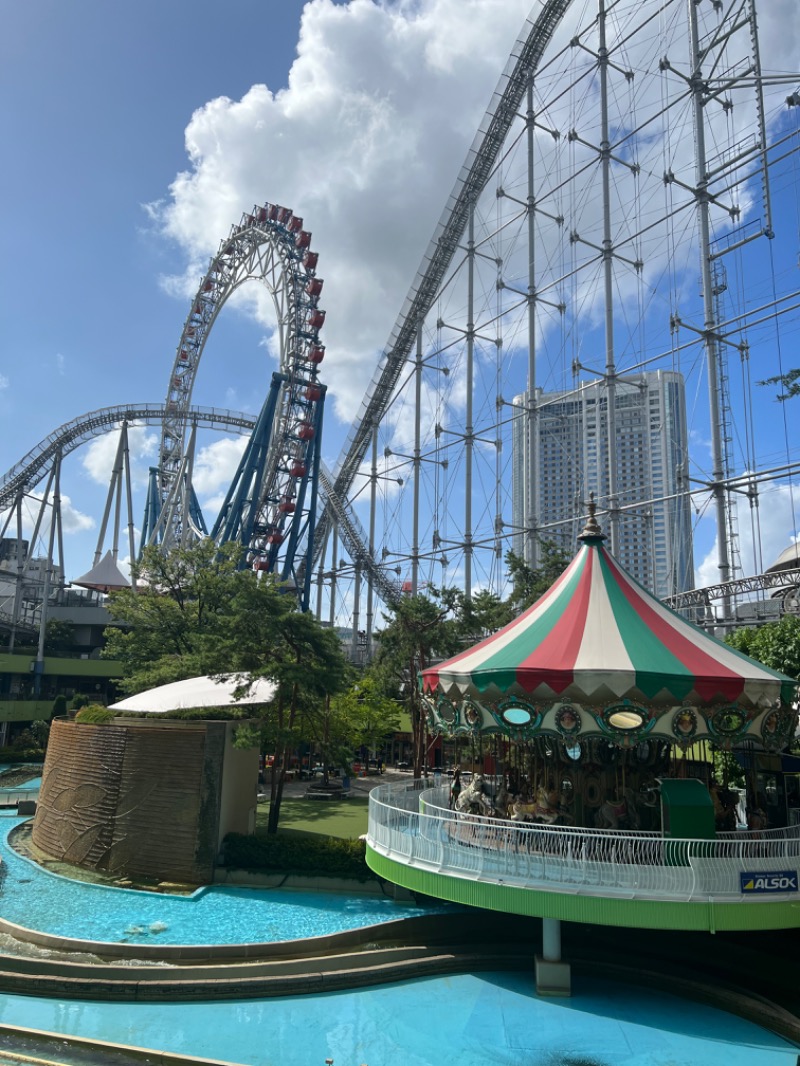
(482, 614)
(776, 644)
(171, 621)
(196, 612)
(361, 715)
(59, 637)
(95, 714)
(789, 381)
(528, 584)
(59, 708)
(419, 631)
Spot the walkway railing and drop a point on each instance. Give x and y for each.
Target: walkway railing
(410, 823)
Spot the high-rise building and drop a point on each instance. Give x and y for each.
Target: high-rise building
(554, 474)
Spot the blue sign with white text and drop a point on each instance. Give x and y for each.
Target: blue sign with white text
(768, 881)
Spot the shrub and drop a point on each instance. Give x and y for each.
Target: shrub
(59, 708)
(79, 701)
(21, 755)
(95, 714)
(308, 856)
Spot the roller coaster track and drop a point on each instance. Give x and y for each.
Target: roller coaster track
(354, 539)
(475, 172)
(34, 466)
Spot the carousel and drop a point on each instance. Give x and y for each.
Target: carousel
(616, 732)
(599, 693)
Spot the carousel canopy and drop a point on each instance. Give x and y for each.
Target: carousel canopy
(597, 636)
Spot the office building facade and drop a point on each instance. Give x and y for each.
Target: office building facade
(554, 475)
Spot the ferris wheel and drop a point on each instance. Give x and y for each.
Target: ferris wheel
(265, 508)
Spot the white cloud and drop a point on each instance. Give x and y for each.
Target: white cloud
(214, 468)
(364, 143)
(72, 520)
(773, 524)
(98, 457)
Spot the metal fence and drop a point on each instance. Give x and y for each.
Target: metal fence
(411, 823)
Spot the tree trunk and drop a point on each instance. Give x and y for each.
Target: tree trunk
(278, 775)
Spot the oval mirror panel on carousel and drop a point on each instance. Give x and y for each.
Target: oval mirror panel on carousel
(625, 719)
(516, 716)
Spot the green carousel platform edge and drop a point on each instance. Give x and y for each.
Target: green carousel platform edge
(698, 916)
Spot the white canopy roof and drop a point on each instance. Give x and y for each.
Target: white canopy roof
(104, 577)
(197, 692)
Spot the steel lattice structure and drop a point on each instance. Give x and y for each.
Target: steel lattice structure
(472, 180)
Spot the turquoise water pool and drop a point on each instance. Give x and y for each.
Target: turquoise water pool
(471, 1020)
(37, 899)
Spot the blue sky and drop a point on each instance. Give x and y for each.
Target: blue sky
(136, 134)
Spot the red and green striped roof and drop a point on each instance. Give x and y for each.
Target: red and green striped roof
(596, 635)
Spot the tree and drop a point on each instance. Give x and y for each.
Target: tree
(196, 612)
(171, 621)
(419, 631)
(59, 636)
(790, 381)
(528, 584)
(264, 634)
(361, 715)
(776, 645)
(482, 614)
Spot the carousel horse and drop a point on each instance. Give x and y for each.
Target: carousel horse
(546, 809)
(523, 809)
(618, 813)
(474, 799)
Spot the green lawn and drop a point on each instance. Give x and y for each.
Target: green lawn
(346, 818)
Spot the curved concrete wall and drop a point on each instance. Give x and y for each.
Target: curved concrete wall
(137, 798)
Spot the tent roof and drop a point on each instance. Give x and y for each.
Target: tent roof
(597, 636)
(104, 576)
(197, 692)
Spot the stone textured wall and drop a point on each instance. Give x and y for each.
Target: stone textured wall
(133, 799)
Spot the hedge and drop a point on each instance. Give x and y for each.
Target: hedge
(308, 856)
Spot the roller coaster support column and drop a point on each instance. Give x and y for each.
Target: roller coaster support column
(373, 503)
(469, 429)
(417, 463)
(552, 975)
(21, 562)
(304, 595)
(356, 612)
(334, 568)
(530, 464)
(55, 524)
(235, 519)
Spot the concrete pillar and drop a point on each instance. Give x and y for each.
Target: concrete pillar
(553, 976)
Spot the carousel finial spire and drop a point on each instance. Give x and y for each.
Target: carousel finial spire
(592, 531)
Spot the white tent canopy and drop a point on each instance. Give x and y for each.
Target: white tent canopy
(197, 692)
(104, 576)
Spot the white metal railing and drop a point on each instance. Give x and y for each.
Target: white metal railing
(411, 823)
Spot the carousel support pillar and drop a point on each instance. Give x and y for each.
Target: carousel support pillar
(553, 976)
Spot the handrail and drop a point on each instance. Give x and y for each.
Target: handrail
(410, 824)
